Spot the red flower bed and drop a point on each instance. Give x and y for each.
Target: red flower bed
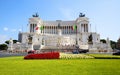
(50, 55)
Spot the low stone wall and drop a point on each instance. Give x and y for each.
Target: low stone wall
(7, 54)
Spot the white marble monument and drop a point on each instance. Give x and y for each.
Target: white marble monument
(60, 35)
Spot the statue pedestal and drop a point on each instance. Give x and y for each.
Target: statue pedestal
(42, 46)
(30, 47)
(10, 46)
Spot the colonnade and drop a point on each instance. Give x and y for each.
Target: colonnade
(54, 29)
(32, 27)
(84, 27)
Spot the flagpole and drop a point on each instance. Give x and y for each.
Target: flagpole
(76, 44)
(76, 36)
(77, 47)
(43, 34)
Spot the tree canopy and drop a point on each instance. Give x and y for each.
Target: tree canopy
(118, 44)
(103, 40)
(14, 41)
(3, 47)
(113, 44)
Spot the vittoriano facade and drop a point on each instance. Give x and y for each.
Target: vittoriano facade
(62, 36)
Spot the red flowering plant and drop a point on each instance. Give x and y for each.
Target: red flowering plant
(48, 55)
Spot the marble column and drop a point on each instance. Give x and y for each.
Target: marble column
(87, 27)
(81, 27)
(84, 27)
(31, 27)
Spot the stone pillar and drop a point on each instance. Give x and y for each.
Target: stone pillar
(11, 44)
(63, 29)
(84, 27)
(59, 32)
(50, 29)
(108, 45)
(43, 30)
(53, 29)
(81, 27)
(46, 29)
(68, 29)
(30, 28)
(108, 42)
(32, 47)
(33, 27)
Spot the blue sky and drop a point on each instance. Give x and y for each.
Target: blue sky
(104, 15)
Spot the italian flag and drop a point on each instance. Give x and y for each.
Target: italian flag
(36, 28)
(41, 27)
(74, 27)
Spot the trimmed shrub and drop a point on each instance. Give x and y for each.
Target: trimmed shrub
(49, 55)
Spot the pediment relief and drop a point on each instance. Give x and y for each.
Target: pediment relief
(82, 20)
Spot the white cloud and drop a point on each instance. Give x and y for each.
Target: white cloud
(5, 29)
(11, 30)
(3, 38)
(20, 30)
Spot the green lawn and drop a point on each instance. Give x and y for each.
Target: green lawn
(19, 66)
(104, 56)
